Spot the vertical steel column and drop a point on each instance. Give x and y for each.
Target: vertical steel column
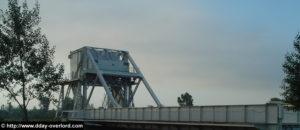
(77, 96)
(102, 80)
(60, 101)
(127, 95)
(62, 94)
(84, 106)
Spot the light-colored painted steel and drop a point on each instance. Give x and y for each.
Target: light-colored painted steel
(88, 61)
(145, 82)
(263, 116)
(114, 70)
(60, 102)
(101, 78)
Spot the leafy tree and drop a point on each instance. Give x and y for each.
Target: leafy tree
(10, 107)
(44, 103)
(27, 70)
(185, 100)
(68, 104)
(35, 114)
(11, 113)
(2, 107)
(291, 82)
(275, 99)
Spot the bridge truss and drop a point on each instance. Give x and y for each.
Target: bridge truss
(114, 70)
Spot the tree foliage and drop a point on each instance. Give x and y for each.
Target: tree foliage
(291, 82)
(12, 113)
(275, 99)
(27, 71)
(185, 100)
(44, 103)
(68, 104)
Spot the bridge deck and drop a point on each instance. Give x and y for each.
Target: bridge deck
(265, 116)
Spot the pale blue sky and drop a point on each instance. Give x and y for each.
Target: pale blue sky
(222, 52)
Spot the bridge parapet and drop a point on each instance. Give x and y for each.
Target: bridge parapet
(263, 116)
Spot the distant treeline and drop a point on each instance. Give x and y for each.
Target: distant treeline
(11, 113)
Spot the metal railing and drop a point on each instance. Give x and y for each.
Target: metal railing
(269, 114)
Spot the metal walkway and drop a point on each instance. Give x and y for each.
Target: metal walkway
(118, 74)
(263, 117)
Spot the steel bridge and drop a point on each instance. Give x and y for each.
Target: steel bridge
(263, 117)
(118, 74)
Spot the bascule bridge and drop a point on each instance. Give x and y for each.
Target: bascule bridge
(117, 73)
(114, 70)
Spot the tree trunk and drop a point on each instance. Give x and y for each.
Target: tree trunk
(24, 89)
(24, 105)
(25, 114)
(24, 97)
